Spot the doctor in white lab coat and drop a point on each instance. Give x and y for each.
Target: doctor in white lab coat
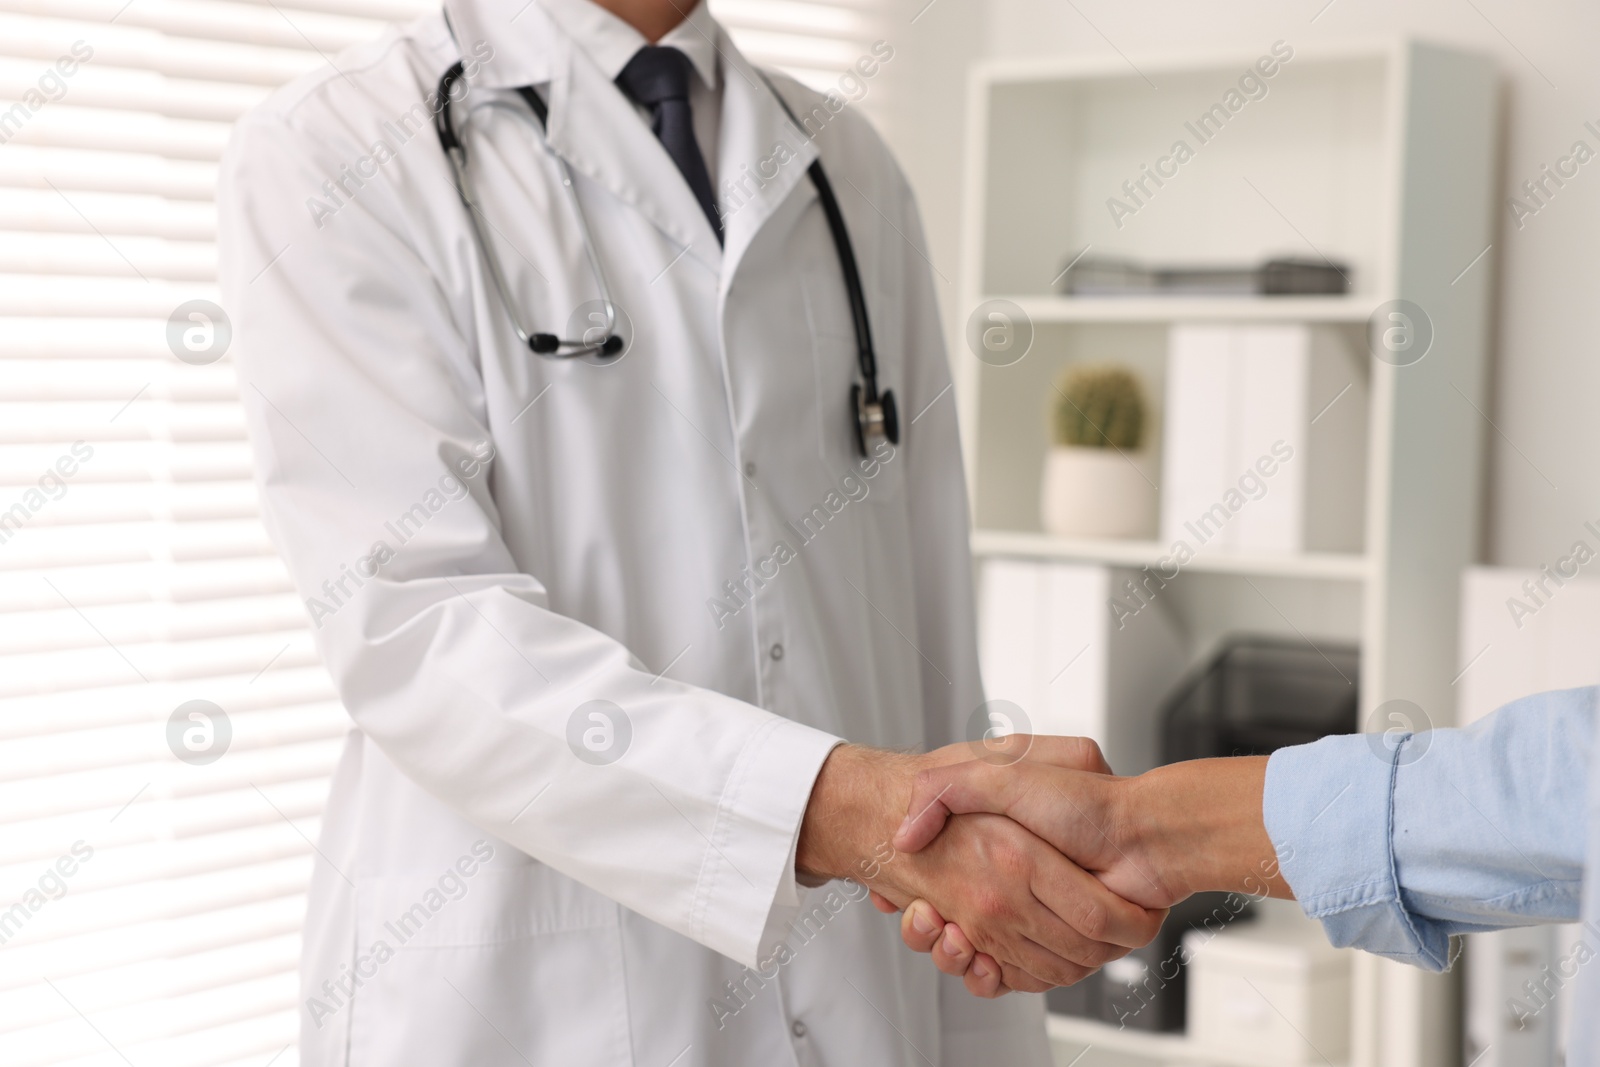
(599, 625)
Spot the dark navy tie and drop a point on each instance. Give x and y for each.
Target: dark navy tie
(658, 78)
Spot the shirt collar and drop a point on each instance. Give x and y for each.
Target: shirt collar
(610, 42)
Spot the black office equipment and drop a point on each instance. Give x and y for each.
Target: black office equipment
(1260, 694)
(1254, 696)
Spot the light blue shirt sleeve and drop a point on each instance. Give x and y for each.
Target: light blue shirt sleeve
(1396, 841)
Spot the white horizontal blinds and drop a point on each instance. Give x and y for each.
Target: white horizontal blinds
(815, 42)
(150, 908)
(136, 576)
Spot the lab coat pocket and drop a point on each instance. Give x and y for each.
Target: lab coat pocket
(510, 966)
(836, 363)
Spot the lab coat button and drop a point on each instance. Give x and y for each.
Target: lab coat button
(777, 651)
(798, 1029)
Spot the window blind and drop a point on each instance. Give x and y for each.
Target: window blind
(816, 43)
(151, 897)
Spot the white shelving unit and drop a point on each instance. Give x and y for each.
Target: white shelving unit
(1378, 156)
(1332, 566)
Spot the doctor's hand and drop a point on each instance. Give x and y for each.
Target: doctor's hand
(1039, 918)
(1154, 839)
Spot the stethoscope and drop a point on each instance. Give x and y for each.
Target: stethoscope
(875, 413)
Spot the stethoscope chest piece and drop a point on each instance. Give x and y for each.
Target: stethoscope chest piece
(874, 418)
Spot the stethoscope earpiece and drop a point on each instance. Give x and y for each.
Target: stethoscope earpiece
(548, 344)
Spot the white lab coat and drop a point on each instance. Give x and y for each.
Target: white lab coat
(488, 541)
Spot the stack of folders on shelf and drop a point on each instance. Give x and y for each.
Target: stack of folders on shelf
(1049, 643)
(1087, 276)
(1523, 632)
(1265, 442)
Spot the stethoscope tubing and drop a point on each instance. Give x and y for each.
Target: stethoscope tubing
(537, 106)
(454, 146)
(874, 413)
(866, 356)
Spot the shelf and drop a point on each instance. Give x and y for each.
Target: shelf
(1325, 566)
(1075, 68)
(1082, 1035)
(1047, 309)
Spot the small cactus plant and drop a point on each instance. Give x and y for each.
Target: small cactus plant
(1099, 407)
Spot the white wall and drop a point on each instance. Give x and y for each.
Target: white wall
(1544, 462)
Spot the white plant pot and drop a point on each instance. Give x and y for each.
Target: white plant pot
(1096, 492)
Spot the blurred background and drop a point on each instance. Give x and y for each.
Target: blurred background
(1272, 330)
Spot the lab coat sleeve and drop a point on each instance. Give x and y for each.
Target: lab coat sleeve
(1397, 841)
(364, 405)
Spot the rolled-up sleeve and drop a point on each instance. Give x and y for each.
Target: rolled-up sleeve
(1396, 841)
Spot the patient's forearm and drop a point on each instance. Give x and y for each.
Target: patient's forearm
(1200, 825)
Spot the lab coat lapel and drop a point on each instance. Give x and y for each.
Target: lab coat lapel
(762, 155)
(598, 132)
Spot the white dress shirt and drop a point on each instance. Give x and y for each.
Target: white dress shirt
(610, 43)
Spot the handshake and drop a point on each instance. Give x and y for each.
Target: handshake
(1032, 865)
